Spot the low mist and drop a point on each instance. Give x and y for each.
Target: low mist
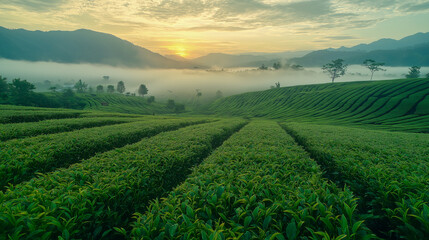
(180, 85)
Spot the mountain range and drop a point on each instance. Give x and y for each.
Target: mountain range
(86, 46)
(80, 46)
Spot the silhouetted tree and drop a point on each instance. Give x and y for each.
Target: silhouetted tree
(151, 99)
(427, 75)
(68, 93)
(414, 72)
(219, 94)
(53, 89)
(297, 67)
(277, 65)
(335, 69)
(142, 90)
(106, 78)
(4, 88)
(263, 67)
(373, 66)
(179, 108)
(120, 87)
(80, 86)
(110, 88)
(90, 89)
(20, 91)
(100, 89)
(277, 84)
(171, 104)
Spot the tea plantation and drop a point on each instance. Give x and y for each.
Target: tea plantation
(334, 161)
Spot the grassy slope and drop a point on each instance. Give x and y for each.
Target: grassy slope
(122, 104)
(393, 104)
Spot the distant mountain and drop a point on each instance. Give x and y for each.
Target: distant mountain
(411, 50)
(388, 43)
(255, 59)
(409, 56)
(80, 46)
(223, 60)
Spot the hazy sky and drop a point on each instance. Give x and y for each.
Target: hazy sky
(192, 28)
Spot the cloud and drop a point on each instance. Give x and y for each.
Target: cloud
(37, 5)
(216, 28)
(341, 37)
(416, 7)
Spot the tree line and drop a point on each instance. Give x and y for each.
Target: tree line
(338, 68)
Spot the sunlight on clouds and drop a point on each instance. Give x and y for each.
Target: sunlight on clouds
(196, 27)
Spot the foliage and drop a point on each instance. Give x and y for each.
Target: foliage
(393, 105)
(179, 108)
(335, 69)
(277, 65)
(219, 94)
(91, 199)
(110, 89)
(151, 99)
(16, 116)
(297, 67)
(4, 88)
(21, 130)
(414, 72)
(81, 86)
(171, 104)
(60, 150)
(100, 89)
(120, 87)
(263, 67)
(142, 90)
(373, 66)
(258, 185)
(387, 170)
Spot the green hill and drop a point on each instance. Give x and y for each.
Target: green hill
(394, 104)
(123, 104)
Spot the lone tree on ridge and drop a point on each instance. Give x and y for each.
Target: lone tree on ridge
(373, 66)
(335, 69)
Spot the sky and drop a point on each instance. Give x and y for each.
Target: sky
(193, 28)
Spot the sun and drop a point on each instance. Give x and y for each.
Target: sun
(179, 50)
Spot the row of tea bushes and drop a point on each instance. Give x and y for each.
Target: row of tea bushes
(258, 185)
(388, 170)
(21, 159)
(89, 199)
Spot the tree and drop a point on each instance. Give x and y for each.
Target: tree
(151, 99)
(110, 88)
(335, 69)
(277, 65)
(263, 67)
(414, 72)
(297, 67)
(142, 90)
(171, 104)
(427, 75)
(219, 94)
(21, 91)
(80, 86)
(179, 108)
(100, 89)
(4, 87)
(120, 87)
(277, 84)
(53, 89)
(373, 66)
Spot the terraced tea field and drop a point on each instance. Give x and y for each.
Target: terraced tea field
(123, 104)
(103, 175)
(391, 105)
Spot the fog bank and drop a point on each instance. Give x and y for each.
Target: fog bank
(180, 84)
